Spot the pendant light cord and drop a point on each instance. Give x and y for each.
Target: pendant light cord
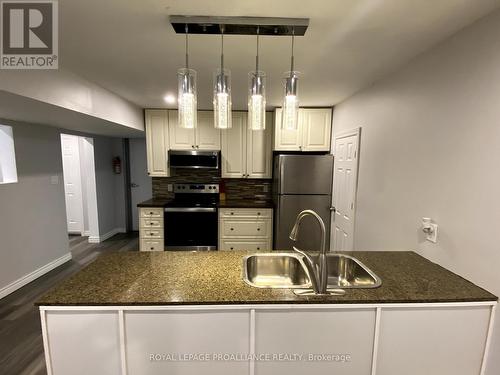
(187, 46)
(292, 59)
(222, 49)
(257, 56)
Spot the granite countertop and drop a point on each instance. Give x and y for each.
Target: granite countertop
(172, 278)
(154, 203)
(228, 203)
(245, 203)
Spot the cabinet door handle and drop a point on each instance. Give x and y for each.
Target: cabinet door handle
(258, 213)
(258, 229)
(258, 248)
(232, 213)
(232, 248)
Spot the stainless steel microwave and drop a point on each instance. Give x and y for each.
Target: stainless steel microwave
(194, 159)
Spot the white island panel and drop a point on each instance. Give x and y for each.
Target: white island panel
(177, 334)
(432, 341)
(348, 332)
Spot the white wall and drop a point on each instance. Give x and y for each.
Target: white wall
(8, 170)
(33, 229)
(70, 91)
(430, 146)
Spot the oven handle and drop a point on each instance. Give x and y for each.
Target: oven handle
(190, 209)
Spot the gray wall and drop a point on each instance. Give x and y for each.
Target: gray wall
(33, 229)
(430, 146)
(110, 187)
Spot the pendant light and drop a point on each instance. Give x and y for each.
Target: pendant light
(222, 93)
(187, 95)
(290, 114)
(257, 95)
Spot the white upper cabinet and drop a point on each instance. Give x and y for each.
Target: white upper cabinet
(234, 148)
(180, 138)
(286, 140)
(246, 153)
(204, 137)
(313, 133)
(157, 142)
(316, 129)
(207, 137)
(259, 150)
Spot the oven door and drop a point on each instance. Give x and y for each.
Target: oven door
(191, 228)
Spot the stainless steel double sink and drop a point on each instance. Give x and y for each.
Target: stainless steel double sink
(288, 270)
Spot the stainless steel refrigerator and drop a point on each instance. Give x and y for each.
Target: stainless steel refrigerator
(301, 182)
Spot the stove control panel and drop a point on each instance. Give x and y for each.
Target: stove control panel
(196, 188)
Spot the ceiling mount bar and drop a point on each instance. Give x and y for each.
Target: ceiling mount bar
(240, 25)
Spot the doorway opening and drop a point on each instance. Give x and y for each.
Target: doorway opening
(80, 186)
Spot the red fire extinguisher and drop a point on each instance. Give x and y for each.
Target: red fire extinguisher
(117, 165)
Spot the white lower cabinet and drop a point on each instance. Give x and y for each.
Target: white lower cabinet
(357, 339)
(151, 230)
(245, 229)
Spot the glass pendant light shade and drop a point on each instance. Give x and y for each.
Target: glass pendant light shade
(256, 100)
(222, 93)
(187, 98)
(222, 99)
(290, 113)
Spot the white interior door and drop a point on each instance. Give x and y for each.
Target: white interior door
(141, 184)
(345, 179)
(72, 183)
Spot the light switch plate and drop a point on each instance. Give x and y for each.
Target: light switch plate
(433, 235)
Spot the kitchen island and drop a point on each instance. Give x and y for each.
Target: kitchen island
(191, 313)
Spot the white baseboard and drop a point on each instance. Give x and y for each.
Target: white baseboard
(105, 236)
(15, 285)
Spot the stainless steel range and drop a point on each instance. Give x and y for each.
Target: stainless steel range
(191, 220)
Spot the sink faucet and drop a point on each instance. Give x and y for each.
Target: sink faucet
(319, 270)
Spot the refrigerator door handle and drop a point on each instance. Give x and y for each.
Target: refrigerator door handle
(333, 209)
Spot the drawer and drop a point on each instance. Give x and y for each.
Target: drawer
(152, 245)
(246, 212)
(246, 228)
(147, 223)
(151, 212)
(245, 245)
(151, 233)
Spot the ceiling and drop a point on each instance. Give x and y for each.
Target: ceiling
(130, 48)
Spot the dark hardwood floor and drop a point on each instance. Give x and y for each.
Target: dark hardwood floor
(21, 347)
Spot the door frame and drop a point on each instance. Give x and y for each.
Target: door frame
(338, 135)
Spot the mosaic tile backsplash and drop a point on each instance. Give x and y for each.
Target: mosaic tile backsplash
(257, 189)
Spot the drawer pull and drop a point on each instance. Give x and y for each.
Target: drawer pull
(232, 213)
(258, 248)
(258, 229)
(258, 213)
(151, 213)
(151, 233)
(232, 248)
(232, 228)
(152, 248)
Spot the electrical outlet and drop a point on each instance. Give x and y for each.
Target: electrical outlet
(432, 236)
